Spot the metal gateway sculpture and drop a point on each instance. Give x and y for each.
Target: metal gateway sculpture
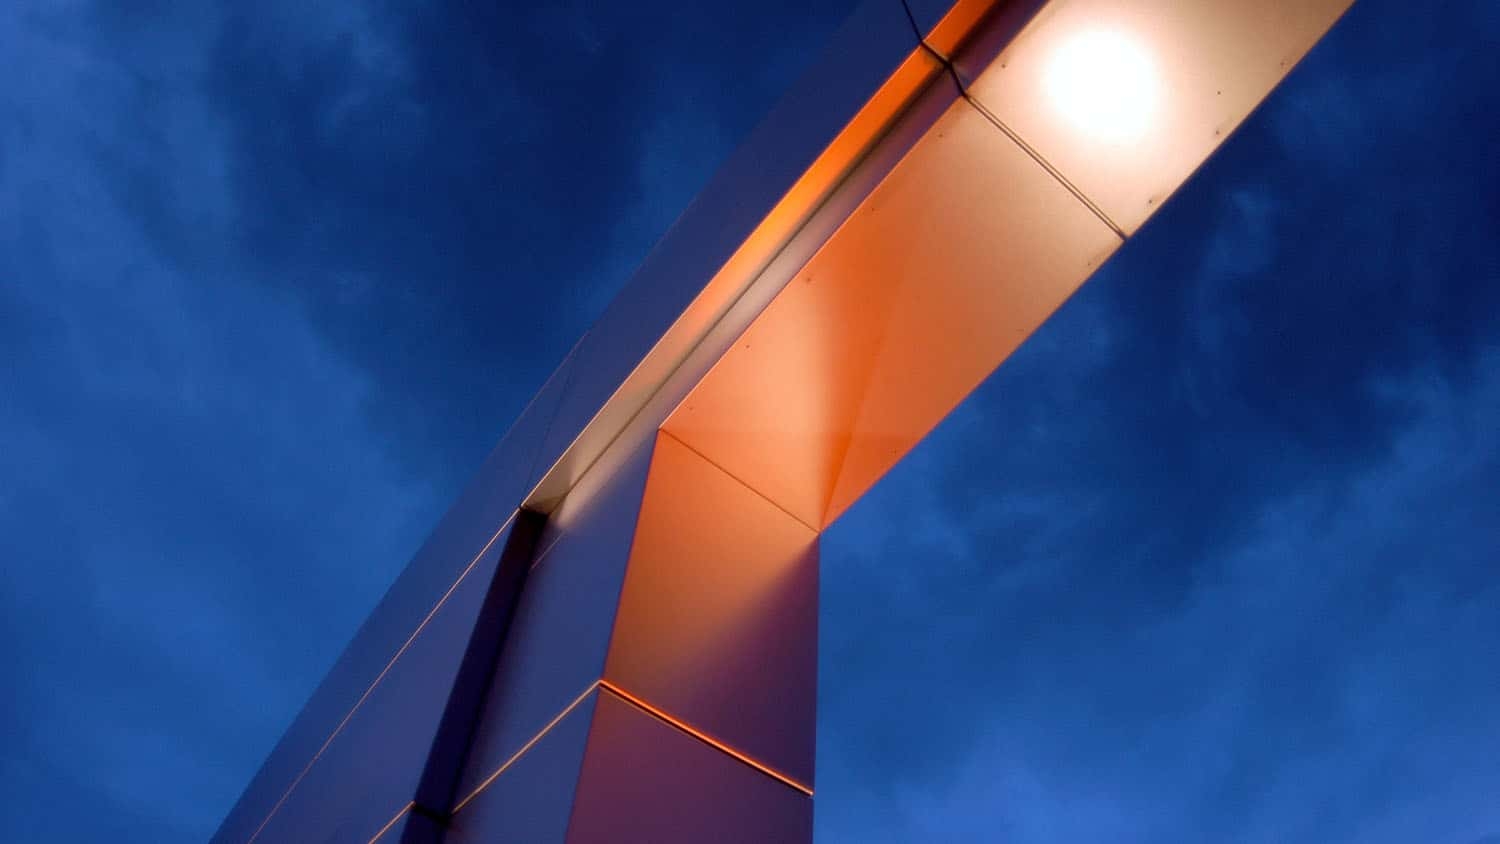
(612, 635)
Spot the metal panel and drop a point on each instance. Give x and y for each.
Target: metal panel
(405, 827)
(718, 622)
(490, 498)
(992, 247)
(941, 23)
(952, 262)
(970, 31)
(532, 799)
(444, 767)
(369, 770)
(1126, 98)
(753, 204)
(560, 633)
(776, 410)
(644, 780)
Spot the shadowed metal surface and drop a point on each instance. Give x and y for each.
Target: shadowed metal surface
(533, 799)
(643, 780)
(718, 621)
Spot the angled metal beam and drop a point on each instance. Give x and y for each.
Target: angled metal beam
(643, 666)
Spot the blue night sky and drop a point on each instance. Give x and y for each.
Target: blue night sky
(1207, 560)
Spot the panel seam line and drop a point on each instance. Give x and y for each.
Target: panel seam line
(392, 822)
(963, 91)
(691, 732)
(376, 682)
(1045, 165)
(706, 459)
(530, 743)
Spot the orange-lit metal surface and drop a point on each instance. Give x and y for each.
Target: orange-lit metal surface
(927, 287)
(1126, 98)
(718, 620)
(645, 780)
(947, 27)
(688, 729)
(744, 268)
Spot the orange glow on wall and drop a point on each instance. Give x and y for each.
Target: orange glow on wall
(743, 269)
(667, 717)
(945, 269)
(1091, 116)
(718, 618)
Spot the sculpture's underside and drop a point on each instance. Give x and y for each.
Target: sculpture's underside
(612, 635)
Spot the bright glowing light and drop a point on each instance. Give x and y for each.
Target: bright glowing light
(1105, 84)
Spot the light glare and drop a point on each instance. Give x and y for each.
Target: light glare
(1105, 84)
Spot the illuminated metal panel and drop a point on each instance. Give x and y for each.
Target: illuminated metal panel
(753, 214)
(969, 27)
(369, 769)
(927, 287)
(748, 212)
(718, 623)
(715, 632)
(644, 780)
(468, 528)
(558, 642)
(1126, 98)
